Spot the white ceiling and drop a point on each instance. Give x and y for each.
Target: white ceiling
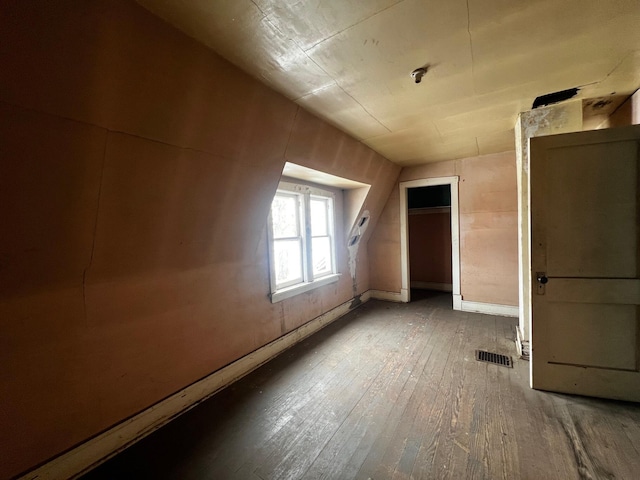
(349, 61)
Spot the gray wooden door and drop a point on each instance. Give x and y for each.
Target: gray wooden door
(585, 263)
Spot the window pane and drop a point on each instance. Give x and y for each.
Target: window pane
(284, 215)
(288, 261)
(321, 247)
(319, 217)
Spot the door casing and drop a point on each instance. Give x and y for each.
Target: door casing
(405, 292)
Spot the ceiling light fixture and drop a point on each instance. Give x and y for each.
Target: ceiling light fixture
(418, 73)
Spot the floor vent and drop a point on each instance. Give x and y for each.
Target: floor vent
(494, 358)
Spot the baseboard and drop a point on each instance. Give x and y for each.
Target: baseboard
(104, 446)
(441, 287)
(457, 301)
(388, 296)
(489, 308)
(522, 345)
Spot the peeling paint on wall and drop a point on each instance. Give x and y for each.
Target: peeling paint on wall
(548, 121)
(353, 243)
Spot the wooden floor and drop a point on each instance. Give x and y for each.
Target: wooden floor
(392, 391)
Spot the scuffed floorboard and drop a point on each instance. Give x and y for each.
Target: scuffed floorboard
(392, 391)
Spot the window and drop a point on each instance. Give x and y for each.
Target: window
(301, 240)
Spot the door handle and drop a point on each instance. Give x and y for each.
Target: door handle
(542, 279)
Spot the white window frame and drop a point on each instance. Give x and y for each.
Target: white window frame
(304, 194)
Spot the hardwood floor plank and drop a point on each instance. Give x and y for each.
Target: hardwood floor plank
(436, 353)
(377, 403)
(475, 401)
(433, 459)
(597, 431)
(379, 423)
(400, 452)
(293, 402)
(504, 438)
(333, 399)
(392, 391)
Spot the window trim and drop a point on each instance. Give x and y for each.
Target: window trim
(309, 281)
(299, 288)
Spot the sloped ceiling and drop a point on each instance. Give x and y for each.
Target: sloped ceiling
(349, 61)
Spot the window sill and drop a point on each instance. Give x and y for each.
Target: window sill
(289, 292)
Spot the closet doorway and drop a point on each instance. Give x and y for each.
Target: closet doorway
(429, 231)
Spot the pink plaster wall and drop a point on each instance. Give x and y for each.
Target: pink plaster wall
(137, 168)
(430, 247)
(627, 114)
(488, 229)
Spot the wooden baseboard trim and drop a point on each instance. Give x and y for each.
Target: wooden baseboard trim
(98, 449)
(387, 296)
(457, 301)
(522, 345)
(489, 308)
(441, 287)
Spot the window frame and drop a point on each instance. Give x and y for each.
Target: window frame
(300, 237)
(305, 193)
(330, 232)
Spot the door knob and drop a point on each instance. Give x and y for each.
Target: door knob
(542, 278)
